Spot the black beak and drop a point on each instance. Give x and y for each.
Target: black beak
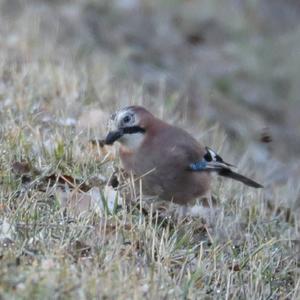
(117, 134)
(113, 136)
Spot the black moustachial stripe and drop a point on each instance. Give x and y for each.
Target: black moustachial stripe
(133, 129)
(117, 134)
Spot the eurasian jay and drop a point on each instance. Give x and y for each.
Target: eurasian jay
(172, 164)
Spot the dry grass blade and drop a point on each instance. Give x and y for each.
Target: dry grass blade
(72, 224)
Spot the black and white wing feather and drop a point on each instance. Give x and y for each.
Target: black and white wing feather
(212, 162)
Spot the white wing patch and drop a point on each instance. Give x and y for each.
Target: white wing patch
(212, 156)
(212, 153)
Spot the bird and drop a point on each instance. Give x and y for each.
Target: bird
(173, 165)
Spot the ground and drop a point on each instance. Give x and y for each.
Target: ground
(228, 73)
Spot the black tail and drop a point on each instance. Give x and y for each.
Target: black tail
(228, 173)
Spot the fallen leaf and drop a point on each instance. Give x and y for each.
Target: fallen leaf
(7, 230)
(20, 167)
(100, 200)
(76, 203)
(67, 179)
(105, 200)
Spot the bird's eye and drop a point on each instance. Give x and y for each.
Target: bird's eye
(127, 119)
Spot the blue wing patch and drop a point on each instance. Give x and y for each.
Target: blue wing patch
(198, 166)
(211, 162)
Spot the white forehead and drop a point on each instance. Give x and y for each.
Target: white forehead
(120, 114)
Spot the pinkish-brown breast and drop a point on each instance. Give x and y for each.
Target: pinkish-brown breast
(165, 155)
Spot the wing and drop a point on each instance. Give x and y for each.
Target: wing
(212, 162)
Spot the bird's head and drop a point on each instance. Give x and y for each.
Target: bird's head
(128, 126)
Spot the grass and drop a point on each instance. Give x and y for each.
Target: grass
(248, 251)
(51, 104)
